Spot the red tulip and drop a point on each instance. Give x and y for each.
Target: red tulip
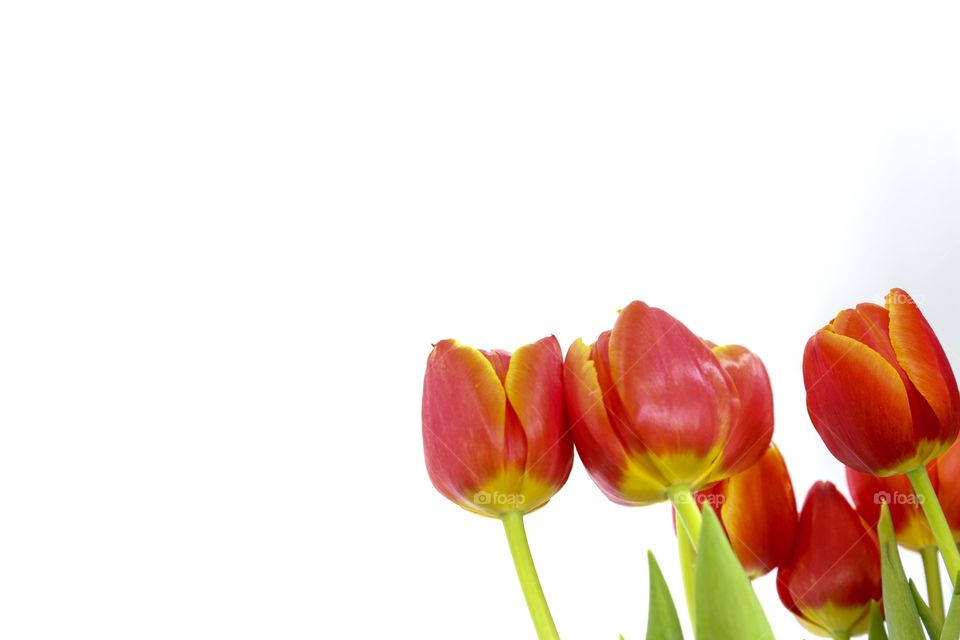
(495, 434)
(758, 511)
(654, 407)
(833, 573)
(948, 472)
(879, 388)
(909, 522)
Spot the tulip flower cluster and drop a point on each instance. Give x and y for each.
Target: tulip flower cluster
(656, 414)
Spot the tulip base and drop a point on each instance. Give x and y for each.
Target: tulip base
(687, 510)
(527, 572)
(938, 522)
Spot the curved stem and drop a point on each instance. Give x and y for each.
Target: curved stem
(687, 511)
(938, 522)
(688, 558)
(931, 571)
(527, 572)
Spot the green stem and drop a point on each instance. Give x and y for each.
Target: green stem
(687, 511)
(938, 522)
(840, 635)
(527, 572)
(688, 521)
(931, 571)
(688, 558)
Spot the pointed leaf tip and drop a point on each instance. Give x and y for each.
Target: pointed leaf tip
(726, 605)
(877, 630)
(951, 626)
(930, 623)
(662, 620)
(903, 618)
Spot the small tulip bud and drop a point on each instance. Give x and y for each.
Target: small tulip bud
(833, 573)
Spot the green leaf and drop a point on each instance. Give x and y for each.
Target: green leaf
(926, 616)
(877, 632)
(951, 626)
(903, 619)
(726, 606)
(662, 620)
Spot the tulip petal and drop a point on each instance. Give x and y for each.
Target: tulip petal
(751, 434)
(514, 443)
(948, 491)
(675, 393)
(759, 513)
(500, 360)
(869, 492)
(921, 356)
(833, 573)
(869, 324)
(616, 411)
(534, 387)
(604, 454)
(857, 402)
(464, 408)
(596, 441)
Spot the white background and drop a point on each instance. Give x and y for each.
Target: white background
(229, 233)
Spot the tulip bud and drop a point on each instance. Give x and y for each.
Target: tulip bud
(948, 489)
(909, 522)
(879, 388)
(758, 511)
(654, 407)
(495, 435)
(833, 573)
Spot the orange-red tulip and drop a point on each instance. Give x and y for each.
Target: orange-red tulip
(948, 491)
(653, 407)
(833, 573)
(880, 390)
(909, 522)
(758, 511)
(495, 434)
